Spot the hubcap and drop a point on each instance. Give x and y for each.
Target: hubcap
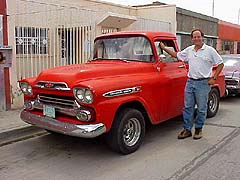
(132, 132)
(213, 102)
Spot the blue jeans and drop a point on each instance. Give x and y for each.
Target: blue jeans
(196, 93)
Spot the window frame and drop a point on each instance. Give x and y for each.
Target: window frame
(170, 42)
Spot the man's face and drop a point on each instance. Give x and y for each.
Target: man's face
(197, 38)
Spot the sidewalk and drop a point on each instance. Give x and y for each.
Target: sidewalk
(10, 120)
(13, 129)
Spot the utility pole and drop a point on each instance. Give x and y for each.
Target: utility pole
(238, 15)
(213, 8)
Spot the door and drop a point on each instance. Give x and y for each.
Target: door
(174, 74)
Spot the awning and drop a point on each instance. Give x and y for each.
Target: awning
(116, 20)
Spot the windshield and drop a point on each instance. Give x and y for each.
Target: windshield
(123, 48)
(229, 61)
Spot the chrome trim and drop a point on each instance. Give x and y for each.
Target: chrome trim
(87, 113)
(233, 86)
(71, 110)
(232, 83)
(66, 88)
(132, 132)
(29, 105)
(56, 100)
(232, 79)
(83, 130)
(121, 92)
(77, 104)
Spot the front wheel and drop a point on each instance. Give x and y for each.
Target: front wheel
(213, 103)
(127, 132)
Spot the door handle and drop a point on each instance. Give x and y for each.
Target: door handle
(181, 66)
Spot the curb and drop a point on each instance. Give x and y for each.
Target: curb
(19, 134)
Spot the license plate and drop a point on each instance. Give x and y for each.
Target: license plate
(49, 111)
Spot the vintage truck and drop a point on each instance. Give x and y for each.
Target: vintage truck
(129, 81)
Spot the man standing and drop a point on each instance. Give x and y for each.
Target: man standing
(201, 59)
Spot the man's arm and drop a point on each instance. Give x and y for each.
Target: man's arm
(215, 76)
(170, 52)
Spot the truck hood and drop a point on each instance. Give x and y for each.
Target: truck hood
(77, 73)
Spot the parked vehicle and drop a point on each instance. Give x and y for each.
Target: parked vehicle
(129, 81)
(232, 73)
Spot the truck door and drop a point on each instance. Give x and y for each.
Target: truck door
(174, 73)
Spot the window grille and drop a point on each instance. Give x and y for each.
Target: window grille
(31, 40)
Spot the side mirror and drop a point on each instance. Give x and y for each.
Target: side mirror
(162, 57)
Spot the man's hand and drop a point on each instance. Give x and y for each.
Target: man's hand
(211, 81)
(162, 46)
(170, 52)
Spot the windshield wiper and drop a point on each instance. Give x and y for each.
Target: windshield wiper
(124, 60)
(94, 59)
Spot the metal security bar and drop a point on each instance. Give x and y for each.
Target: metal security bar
(106, 30)
(50, 35)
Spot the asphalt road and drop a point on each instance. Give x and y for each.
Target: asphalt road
(162, 156)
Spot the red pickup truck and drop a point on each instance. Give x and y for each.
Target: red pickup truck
(129, 81)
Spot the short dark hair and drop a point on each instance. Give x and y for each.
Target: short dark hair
(202, 34)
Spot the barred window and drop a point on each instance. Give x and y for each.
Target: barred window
(106, 30)
(31, 40)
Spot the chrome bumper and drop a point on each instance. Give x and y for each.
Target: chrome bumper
(85, 131)
(233, 87)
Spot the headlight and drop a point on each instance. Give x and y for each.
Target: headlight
(83, 95)
(26, 88)
(80, 94)
(88, 96)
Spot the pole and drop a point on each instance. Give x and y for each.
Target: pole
(213, 8)
(238, 15)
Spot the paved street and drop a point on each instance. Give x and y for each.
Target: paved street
(161, 156)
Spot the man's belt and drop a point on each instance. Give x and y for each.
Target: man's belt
(199, 79)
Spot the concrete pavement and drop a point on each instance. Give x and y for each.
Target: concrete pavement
(224, 164)
(162, 155)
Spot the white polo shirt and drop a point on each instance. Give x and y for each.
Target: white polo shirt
(200, 62)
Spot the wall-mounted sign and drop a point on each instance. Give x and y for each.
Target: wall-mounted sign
(5, 56)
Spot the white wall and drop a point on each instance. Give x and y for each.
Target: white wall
(35, 14)
(166, 13)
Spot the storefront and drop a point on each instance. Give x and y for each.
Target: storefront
(229, 38)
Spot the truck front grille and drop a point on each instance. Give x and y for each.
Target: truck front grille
(67, 102)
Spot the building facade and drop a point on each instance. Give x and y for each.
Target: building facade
(229, 38)
(188, 20)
